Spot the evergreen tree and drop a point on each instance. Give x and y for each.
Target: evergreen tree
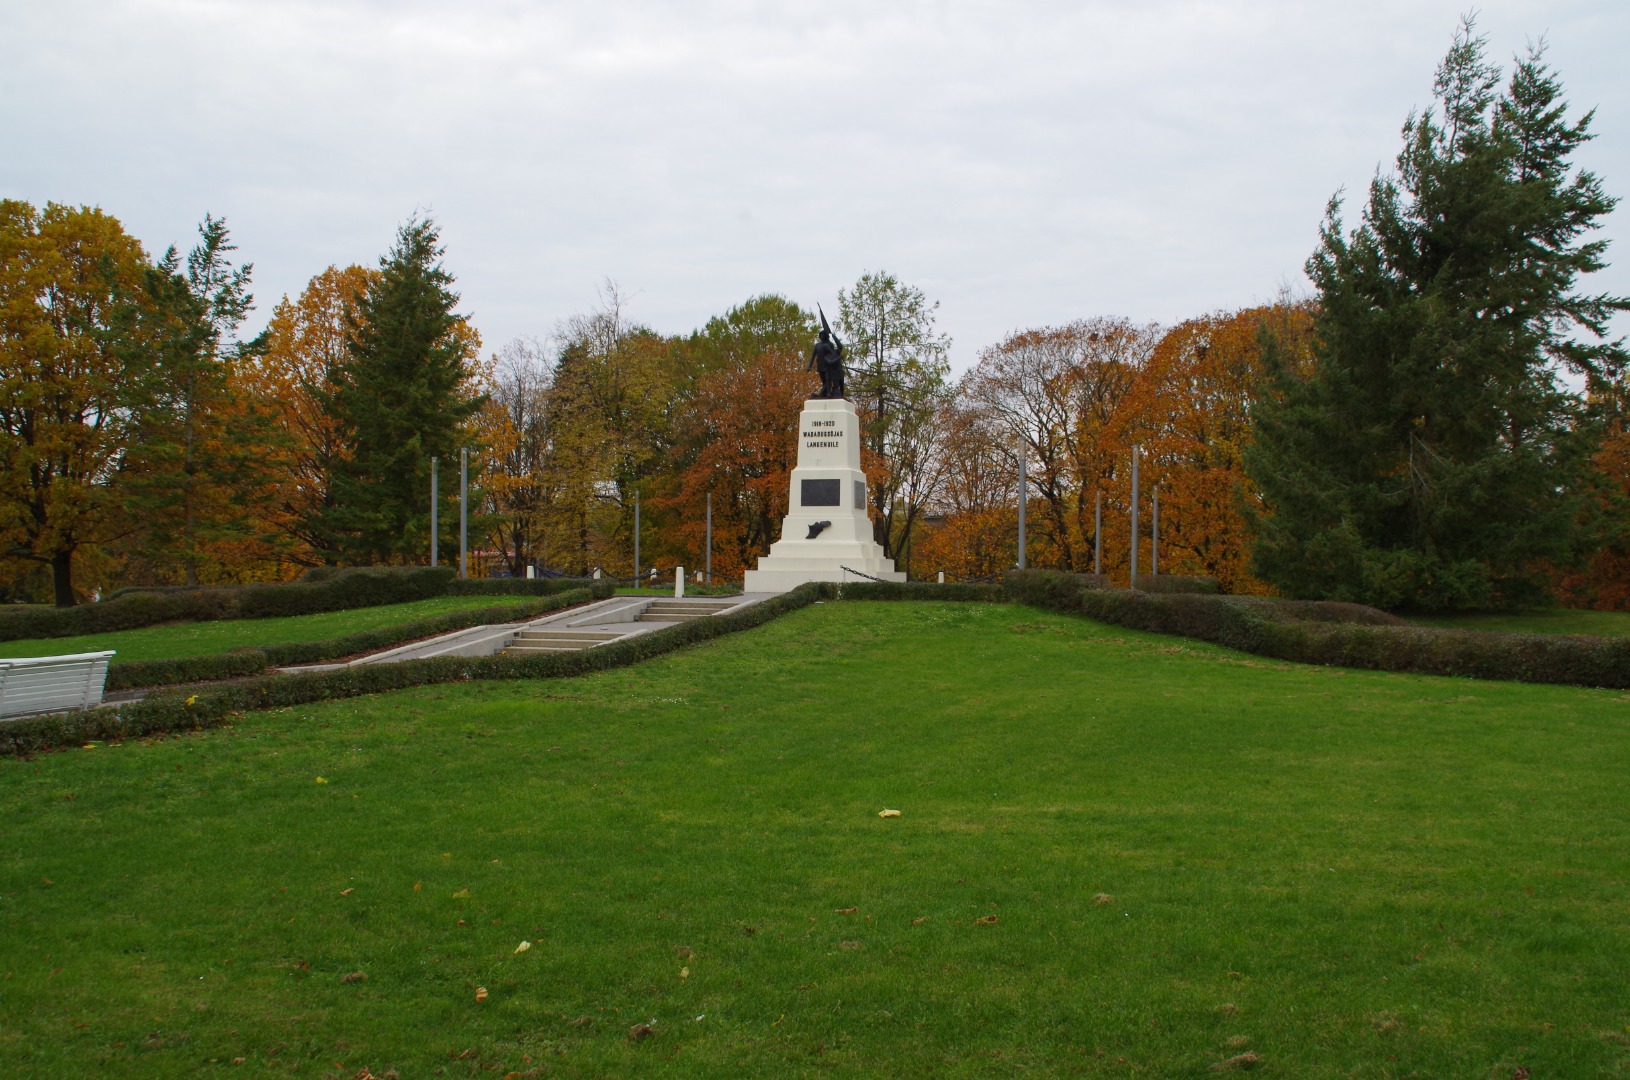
(201, 464)
(404, 398)
(1432, 456)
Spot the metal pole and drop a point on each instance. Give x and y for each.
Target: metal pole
(434, 502)
(1023, 484)
(710, 538)
(1098, 534)
(464, 513)
(636, 535)
(1133, 581)
(1154, 532)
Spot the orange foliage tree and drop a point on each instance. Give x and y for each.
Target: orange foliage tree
(1189, 408)
(739, 441)
(1055, 393)
(295, 378)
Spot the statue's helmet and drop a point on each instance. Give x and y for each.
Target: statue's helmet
(825, 333)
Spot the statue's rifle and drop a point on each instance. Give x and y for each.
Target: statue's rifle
(827, 327)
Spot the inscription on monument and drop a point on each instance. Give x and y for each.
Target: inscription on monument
(820, 493)
(823, 433)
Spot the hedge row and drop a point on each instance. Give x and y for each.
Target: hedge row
(322, 589)
(919, 590)
(173, 711)
(1341, 635)
(238, 663)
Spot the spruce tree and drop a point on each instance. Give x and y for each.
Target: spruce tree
(1433, 456)
(404, 398)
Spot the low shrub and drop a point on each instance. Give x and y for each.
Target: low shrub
(1343, 635)
(134, 674)
(173, 711)
(324, 588)
(920, 590)
(1174, 583)
(518, 586)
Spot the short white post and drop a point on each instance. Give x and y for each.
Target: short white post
(596, 573)
(531, 571)
(942, 577)
(679, 582)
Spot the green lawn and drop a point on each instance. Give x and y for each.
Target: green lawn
(1541, 621)
(172, 641)
(1118, 854)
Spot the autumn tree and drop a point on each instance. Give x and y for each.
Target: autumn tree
(71, 283)
(611, 399)
(515, 426)
(1431, 457)
(1054, 394)
(897, 363)
(406, 395)
(295, 376)
(735, 433)
(1189, 409)
(974, 514)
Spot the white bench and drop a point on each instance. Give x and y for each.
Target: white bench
(52, 683)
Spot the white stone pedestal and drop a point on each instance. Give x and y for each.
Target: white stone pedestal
(827, 486)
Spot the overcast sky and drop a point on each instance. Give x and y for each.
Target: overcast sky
(1023, 163)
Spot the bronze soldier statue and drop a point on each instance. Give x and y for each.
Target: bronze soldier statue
(826, 358)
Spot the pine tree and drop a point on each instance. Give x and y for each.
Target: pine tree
(1432, 456)
(404, 398)
(201, 466)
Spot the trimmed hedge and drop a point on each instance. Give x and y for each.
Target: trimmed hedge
(172, 711)
(520, 586)
(238, 663)
(1342, 635)
(1173, 583)
(321, 589)
(920, 590)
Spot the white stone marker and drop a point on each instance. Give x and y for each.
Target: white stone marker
(828, 500)
(679, 583)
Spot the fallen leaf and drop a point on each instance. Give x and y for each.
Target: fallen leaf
(987, 920)
(46, 881)
(417, 885)
(684, 973)
(481, 993)
(462, 894)
(919, 921)
(523, 946)
(1247, 1060)
(320, 780)
(888, 813)
(1103, 898)
(850, 945)
(354, 977)
(192, 698)
(348, 892)
(640, 1032)
(846, 910)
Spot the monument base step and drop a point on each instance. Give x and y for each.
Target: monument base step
(783, 578)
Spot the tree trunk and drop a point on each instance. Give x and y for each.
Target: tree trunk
(62, 578)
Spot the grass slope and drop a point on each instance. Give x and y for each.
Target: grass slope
(173, 641)
(1119, 854)
(1541, 621)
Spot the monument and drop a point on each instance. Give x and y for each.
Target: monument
(826, 533)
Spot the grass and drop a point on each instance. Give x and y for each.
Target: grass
(173, 641)
(1118, 854)
(1538, 621)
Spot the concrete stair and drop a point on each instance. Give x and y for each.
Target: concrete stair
(684, 610)
(564, 640)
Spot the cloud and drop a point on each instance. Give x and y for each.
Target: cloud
(1022, 163)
